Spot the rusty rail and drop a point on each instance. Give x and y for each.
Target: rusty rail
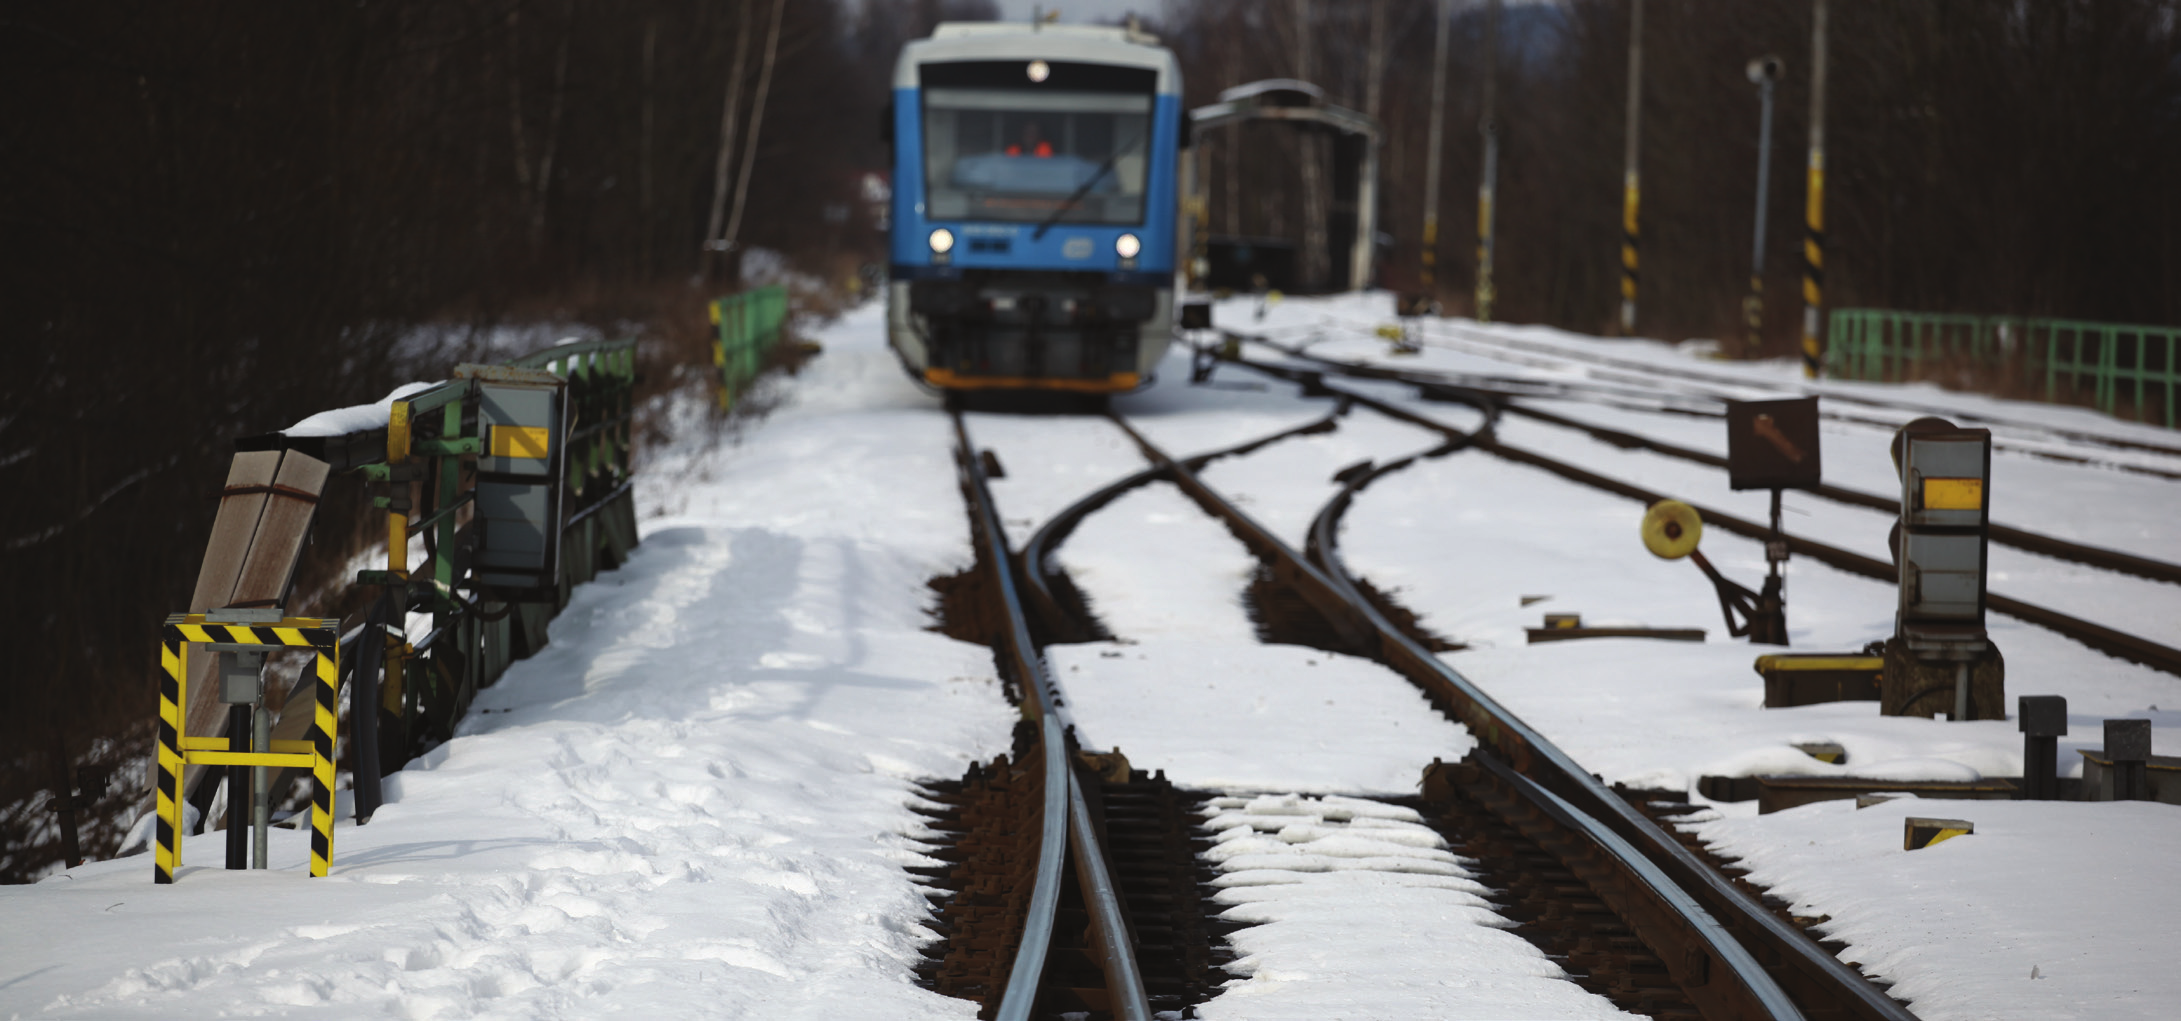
(1066, 823)
(1671, 898)
(1617, 396)
(2134, 648)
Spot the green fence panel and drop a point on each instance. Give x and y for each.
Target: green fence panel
(2106, 362)
(749, 324)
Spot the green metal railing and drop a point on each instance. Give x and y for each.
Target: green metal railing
(749, 324)
(2103, 364)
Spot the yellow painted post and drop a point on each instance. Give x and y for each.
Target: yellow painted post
(1630, 191)
(1629, 200)
(167, 849)
(397, 549)
(1813, 242)
(323, 722)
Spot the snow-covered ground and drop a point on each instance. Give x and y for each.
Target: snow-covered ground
(696, 801)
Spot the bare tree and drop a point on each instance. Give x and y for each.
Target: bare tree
(713, 243)
(757, 124)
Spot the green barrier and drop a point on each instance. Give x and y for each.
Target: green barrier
(749, 324)
(2105, 362)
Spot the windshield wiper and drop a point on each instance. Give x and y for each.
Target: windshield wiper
(1103, 169)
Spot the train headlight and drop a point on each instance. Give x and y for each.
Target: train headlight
(1127, 246)
(942, 241)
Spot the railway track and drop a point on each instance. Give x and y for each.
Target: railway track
(1628, 909)
(1640, 370)
(2112, 641)
(1648, 390)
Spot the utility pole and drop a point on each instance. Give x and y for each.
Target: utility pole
(1763, 72)
(1813, 242)
(1630, 192)
(1490, 184)
(1427, 275)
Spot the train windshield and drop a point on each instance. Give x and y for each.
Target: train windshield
(1020, 154)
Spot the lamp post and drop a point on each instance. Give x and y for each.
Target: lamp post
(1764, 72)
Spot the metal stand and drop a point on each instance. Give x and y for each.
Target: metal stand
(238, 834)
(1760, 615)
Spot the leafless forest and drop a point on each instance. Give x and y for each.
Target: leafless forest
(1982, 156)
(225, 216)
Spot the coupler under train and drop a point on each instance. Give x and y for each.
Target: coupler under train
(1080, 332)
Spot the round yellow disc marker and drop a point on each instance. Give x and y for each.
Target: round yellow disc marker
(1671, 529)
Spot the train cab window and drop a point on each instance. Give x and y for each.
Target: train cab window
(1019, 154)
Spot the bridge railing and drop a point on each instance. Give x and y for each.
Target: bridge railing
(2118, 368)
(749, 324)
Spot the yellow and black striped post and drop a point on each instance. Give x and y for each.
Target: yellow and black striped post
(167, 853)
(325, 720)
(1629, 200)
(1813, 242)
(178, 749)
(1631, 193)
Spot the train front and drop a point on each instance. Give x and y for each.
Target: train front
(1034, 208)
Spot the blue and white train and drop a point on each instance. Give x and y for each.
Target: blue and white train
(1034, 207)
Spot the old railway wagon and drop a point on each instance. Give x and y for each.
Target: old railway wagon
(1034, 207)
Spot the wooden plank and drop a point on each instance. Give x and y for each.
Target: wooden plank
(233, 528)
(229, 545)
(249, 560)
(266, 571)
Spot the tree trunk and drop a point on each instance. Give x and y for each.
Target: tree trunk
(720, 166)
(757, 123)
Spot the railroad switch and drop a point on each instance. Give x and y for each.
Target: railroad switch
(1671, 530)
(1939, 646)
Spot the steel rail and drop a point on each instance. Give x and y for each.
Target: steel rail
(1627, 365)
(1037, 576)
(1817, 973)
(1607, 397)
(1041, 700)
(2005, 535)
(1750, 990)
(2133, 648)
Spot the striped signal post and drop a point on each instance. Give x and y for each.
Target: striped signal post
(1489, 185)
(1763, 72)
(167, 845)
(1631, 193)
(1813, 242)
(325, 720)
(177, 749)
(1427, 275)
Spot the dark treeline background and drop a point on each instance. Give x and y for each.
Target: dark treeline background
(225, 216)
(1982, 156)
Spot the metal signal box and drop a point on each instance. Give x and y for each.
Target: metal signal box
(242, 672)
(1945, 511)
(1772, 444)
(1939, 646)
(522, 423)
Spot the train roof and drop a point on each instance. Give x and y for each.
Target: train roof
(1004, 40)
